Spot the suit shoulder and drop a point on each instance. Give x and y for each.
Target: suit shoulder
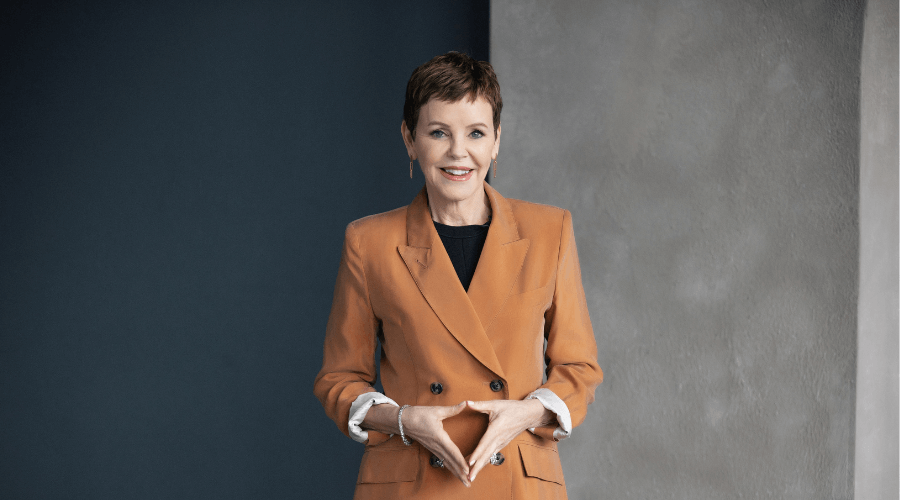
(535, 207)
(379, 224)
(541, 223)
(527, 211)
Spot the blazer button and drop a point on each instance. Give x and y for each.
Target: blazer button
(437, 388)
(496, 385)
(436, 462)
(497, 458)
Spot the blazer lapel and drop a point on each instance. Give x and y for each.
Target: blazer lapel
(500, 262)
(430, 267)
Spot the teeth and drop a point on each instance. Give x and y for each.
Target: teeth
(456, 172)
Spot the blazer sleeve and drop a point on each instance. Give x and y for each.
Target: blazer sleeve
(571, 355)
(348, 360)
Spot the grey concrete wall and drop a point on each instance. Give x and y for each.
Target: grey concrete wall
(876, 459)
(709, 152)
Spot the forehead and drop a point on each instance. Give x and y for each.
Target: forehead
(462, 112)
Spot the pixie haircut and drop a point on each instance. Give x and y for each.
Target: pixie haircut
(451, 77)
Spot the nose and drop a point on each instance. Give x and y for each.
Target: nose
(457, 149)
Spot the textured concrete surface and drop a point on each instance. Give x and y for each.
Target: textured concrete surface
(709, 151)
(876, 459)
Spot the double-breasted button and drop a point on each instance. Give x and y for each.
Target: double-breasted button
(437, 388)
(436, 462)
(497, 458)
(496, 385)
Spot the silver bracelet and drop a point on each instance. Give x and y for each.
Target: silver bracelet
(407, 442)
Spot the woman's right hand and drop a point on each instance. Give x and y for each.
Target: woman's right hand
(425, 425)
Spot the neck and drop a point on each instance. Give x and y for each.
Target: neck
(469, 212)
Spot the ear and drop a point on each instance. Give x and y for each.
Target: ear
(496, 149)
(408, 140)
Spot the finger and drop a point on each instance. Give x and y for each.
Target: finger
(478, 463)
(481, 406)
(446, 449)
(453, 458)
(458, 467)
(451, 411)
(480, 457)
(478, 460)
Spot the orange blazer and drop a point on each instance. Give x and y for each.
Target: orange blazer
(522, 325)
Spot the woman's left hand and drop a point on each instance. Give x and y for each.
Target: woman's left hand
(507, 419)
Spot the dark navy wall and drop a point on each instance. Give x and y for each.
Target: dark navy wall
(175, 180)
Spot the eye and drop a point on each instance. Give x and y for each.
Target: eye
(477, 134)
(437, 134)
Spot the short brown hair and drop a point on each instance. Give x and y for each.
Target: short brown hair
(451, 77)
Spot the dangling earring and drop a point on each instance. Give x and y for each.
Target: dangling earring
(410, 168)
(495, 167)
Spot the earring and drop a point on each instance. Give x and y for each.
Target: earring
(495, 168)
(410, 168)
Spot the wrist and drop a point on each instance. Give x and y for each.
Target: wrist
(382, 418)
(541, 415)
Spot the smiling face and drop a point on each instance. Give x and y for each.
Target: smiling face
(454, 143)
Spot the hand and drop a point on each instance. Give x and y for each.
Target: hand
(424, 424)
(507, 419)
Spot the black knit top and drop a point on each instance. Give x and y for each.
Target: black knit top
(463, 245)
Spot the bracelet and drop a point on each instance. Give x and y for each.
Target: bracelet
(406, 441)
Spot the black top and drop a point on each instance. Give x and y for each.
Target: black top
(463, 245)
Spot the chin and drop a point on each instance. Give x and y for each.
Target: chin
(456, 193)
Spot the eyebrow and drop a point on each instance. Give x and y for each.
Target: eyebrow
(442, 124)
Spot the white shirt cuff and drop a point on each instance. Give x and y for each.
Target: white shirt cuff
(360, 408)
(552, 402)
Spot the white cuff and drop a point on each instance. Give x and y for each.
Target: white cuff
(360, 408)
(552, 402)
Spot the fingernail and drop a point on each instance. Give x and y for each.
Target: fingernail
(471, 462)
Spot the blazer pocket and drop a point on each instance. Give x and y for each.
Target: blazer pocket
(389, 465)
(542, 463)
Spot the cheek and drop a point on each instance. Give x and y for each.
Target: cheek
(428, 158)
(427, 154)
(484, 154)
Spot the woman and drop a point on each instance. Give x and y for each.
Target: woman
(470, 294)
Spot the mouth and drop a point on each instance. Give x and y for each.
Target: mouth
(457, 173)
